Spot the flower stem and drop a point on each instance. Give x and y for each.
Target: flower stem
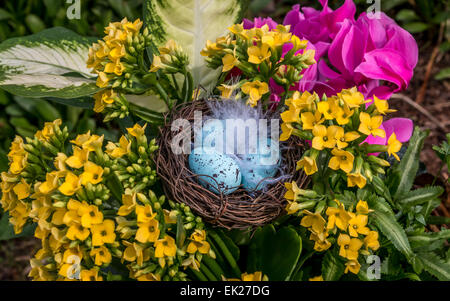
(226, 253)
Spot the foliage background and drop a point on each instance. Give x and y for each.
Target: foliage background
(426, 101)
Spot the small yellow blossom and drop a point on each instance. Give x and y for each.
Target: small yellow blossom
(257, 55)
(198, 242)
(371, 125)
(229, 61)
(308, 164)
(315, 221)
(371, 240)
(349, 247)
(394, 146)
(358, 225)
(71, 185)
(256, 90)
(382, 106)
(103, 233)
(324, 137)
(353, 266)
(310, 120)
(165, 247)
(356, 179)
(101, 255)
(341, 160)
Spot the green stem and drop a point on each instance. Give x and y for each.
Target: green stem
(213, 266)
(204, 269)
(438, 174)
(199, 275)
(163, 94)
(226, 253)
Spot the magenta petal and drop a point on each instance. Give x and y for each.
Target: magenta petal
(248, 24)
(294, 16)
(402, 127)
(386, 64)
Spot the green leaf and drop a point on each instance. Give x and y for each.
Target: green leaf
(420, 196)
(428, 239)
(51, 63)
(332, 267)
(274, 253)
(394, 232)
(406, 15)
(434, 265)
(181, 232)
(404, 174)
(443, 74)
(191, 23)
(416, 27)
(438, 220)
(234, 250)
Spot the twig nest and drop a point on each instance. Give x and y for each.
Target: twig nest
(230, 207)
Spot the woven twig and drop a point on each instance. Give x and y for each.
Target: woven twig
(238, 210)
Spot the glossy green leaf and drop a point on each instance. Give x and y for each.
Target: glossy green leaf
(275, 253)
(419, 196)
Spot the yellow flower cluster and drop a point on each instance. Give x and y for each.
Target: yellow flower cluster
(113, 57)
(171, 59)
(256, 276)
(257, 53)
(338, 125)
(86, 215)
(351, 227)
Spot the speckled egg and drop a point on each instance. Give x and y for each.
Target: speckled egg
(218, 172)
(262, 165)
(213, 132)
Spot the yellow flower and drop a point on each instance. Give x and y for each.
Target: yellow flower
(257, 55)
(198, 242)
(352, 97)
(137, 130)
(338, 217)
(103, 233)
(60, 162)
(135, 252)
(101, 256)
(371, 125)
(292, 207)
(356, 179)
(77, 231)
(115, 67)
(341, 160)
(48, 130)
(308, 164)
(22, 190)
(353, 266)
(324, 137)
(321, 242)
(256, 90)
(343, 138)
(149, 277)
(302, 101)
(229, 61)
(165, 247)
(362, 207)
(71, 185)
(349, 247)
(144, 213)
(310, 120)
(317, 278)
(226, 90)
(382, 106)
(148, 232)
(156, 64)
(79, 158)
(371, 240)
(91, 216)
(287, 130)
(129, 204)
(328, 108)
(102, 80)
(88, 141)
(343, 115)
(256, 276)
(103, 98)
(170, 48)
(90, 275)
(293, 191)
(236, 28)
(18, 163)
(92, 174)
(315, 221)
(291, 116)
(394, 146)
(358, 225)
(118, 152)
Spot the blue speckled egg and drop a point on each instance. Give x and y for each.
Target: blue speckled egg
(219, 172)
(213, 133)
(257, 167)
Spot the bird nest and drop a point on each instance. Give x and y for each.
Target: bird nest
(238, 210)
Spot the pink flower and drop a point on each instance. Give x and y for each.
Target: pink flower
(402, 127)
(376, 55)
(260, 22)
